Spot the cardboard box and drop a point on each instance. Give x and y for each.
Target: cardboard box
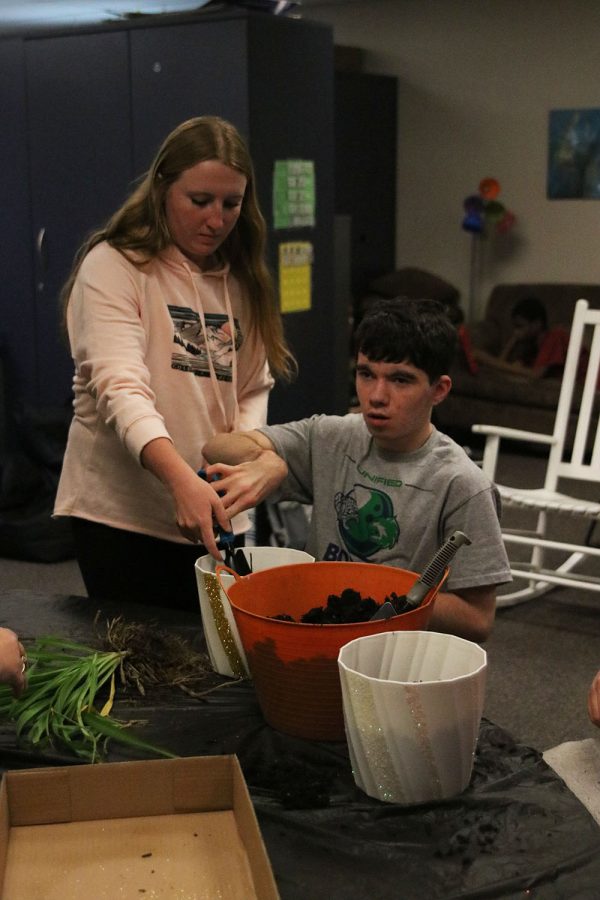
(177, 828)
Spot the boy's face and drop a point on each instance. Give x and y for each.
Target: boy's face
(396, 400)
(527, 328)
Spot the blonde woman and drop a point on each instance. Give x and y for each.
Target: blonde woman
(175, 335)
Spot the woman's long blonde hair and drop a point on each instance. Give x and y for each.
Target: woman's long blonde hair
(140, 225)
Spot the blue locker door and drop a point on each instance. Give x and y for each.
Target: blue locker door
(182, 71)
(80, 164)
(17, 309)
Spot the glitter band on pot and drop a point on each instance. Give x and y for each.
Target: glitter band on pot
(373, 740)
(423, 739)
(222, 626)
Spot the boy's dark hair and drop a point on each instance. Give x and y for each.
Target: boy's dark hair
(531, 309)
(405, 330)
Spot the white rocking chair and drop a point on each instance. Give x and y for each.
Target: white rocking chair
(564, 461)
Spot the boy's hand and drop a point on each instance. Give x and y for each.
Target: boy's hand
(246, 485)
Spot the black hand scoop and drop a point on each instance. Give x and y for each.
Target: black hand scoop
(241, 564)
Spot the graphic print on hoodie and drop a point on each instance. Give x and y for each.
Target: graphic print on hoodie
(191, 353)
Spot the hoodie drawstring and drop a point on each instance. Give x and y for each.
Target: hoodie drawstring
(213, 375)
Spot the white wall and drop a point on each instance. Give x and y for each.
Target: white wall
(477, 80)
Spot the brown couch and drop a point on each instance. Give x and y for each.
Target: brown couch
(493, 398)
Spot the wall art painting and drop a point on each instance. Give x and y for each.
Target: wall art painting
(574, 154)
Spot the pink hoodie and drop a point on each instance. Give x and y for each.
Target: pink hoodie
(139, 338)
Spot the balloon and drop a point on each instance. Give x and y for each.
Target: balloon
(494, 211)
(505, 223)
(473, 222)
(489, 188)
(483, 210)
(473, 204)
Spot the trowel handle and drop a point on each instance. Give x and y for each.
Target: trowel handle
(436, 568)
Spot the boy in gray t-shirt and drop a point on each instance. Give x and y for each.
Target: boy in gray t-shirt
(385, 485)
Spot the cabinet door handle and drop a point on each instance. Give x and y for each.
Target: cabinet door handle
(40, 246)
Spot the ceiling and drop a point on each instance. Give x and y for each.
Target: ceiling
(18, 15)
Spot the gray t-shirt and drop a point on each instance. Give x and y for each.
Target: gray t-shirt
(391, 508)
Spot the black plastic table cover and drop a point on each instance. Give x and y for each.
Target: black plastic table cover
(516, 832)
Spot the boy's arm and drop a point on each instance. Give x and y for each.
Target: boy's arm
(511, 368)
(248, 466)
(468, 613)
(235, 447)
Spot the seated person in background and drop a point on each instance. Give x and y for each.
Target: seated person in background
(594, 700)
(385, 486)
(465, 347)
(533, 350)
(12, 661)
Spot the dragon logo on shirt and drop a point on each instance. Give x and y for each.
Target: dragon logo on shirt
(366, 521)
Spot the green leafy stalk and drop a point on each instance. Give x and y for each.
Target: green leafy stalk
(57, 709)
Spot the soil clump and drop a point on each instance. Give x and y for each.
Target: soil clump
(345, 608)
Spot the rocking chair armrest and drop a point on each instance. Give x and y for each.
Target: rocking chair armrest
(494, 433)
(514, 434)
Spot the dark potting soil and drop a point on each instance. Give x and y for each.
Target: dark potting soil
(346, 607)
(300, 785)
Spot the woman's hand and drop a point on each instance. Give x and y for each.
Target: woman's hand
(13, 661)
(197, 504)
(197, 508)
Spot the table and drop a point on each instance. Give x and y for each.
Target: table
(516, 828)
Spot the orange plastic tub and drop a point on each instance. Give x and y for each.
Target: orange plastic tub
(294, 664)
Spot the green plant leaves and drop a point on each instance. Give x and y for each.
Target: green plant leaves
(57, 709)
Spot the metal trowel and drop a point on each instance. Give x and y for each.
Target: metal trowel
(428, 580)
